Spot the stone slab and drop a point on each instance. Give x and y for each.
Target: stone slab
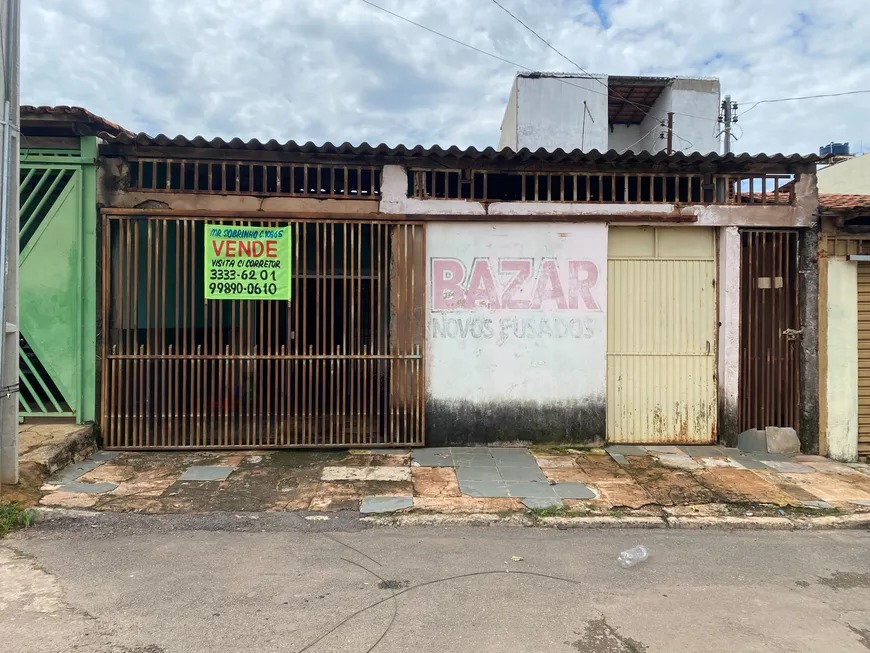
(470, 451)
(749, 462)
(104, 456)
(663, 449)
(721, 462)
(770, 456)
(782, 440)
(206, 473)
(705, 451)
(356, 474)
(679, 462)
(484, 489)
(524, 474)
(788, 467)
(432, 458)
(618, 458)
(474, 461)
(752, 441)
(626, 450)
(89, 488)
(574, 491)
(819, 505)
(861, 502)
(478, 474)
(516, 461)
(71, 473)
(536, 490)
(542, 503)
(506, 452)
(385, 504)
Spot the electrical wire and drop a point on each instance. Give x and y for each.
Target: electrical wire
(518, 65)
(583, 70)
(656, 126)
(801, 97)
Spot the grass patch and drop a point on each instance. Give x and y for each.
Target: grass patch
(769, 510)
(565, 449)
(14, 516)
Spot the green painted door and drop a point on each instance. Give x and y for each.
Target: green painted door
(57, 237)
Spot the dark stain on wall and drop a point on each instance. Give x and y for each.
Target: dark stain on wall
(808, 257)
(466, 422)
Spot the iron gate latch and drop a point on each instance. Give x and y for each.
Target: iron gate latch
(792, 334)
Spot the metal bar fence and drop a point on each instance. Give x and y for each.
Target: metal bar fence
(341, 364)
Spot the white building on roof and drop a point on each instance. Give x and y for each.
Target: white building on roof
(608, 112)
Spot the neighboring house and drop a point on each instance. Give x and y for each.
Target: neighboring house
(610, 112)
(847, 177)
(58, 262)
(449, 295)
(844, 324)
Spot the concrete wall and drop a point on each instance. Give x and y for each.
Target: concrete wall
(842, 350)
(850, 177)
(516, 331)
(550, 113)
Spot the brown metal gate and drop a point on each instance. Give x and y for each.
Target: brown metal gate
(341, 364)
(769, 392)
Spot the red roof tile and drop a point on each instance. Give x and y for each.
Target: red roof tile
(838, 202)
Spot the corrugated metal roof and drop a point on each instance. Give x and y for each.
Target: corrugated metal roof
(71, 114)
(453, 152)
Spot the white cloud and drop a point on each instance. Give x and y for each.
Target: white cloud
(340, 70)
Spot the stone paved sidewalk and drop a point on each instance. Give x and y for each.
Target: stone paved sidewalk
(635, 480)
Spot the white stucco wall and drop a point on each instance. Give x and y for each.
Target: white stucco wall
(842, 345)
(694, 97)
(849, 177)
(516, 312)
(550, 113)
(508, 136)
(623, 137)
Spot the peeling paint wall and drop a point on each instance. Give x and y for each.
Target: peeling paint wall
(842, 347)
(516, 317)
(729, 332)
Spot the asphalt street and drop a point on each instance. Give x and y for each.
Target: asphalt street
(140, 584)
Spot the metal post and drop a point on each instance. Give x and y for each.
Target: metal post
(10, 28)
(727, 111)
(670, 132)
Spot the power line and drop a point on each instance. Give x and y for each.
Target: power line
(514, 63)
(801, 97)
(579, 67)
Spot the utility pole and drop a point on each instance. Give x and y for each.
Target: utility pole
(10, 29)
(726, 111)
(670, 132)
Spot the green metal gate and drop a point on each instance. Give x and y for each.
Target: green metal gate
(57, 241)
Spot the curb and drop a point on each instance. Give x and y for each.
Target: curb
(52, 457)
(669, 522)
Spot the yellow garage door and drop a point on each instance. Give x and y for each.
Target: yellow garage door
(864, 359)
(661, 335)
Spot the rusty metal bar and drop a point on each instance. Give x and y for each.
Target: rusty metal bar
(203, 377)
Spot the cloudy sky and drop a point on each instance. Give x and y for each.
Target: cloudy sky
(341, 70)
